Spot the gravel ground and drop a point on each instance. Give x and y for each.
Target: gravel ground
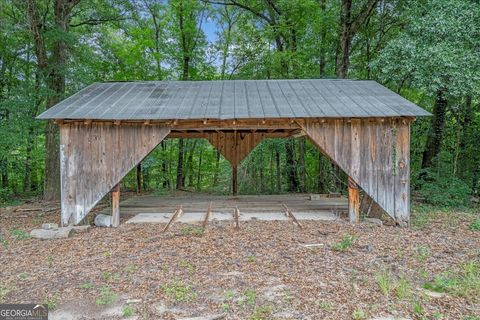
(262, 271)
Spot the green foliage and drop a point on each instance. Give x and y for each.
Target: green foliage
(261, 313)
(463, 283)
(20, 235)
(51, 300)
(106, 297)
(347, 242)
(444, 190)
(358, 315)
(128, 310)
(475, 225)
(179, 291)
(384, 281)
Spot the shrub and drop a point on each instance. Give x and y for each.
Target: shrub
(346, 243)
(443, 190)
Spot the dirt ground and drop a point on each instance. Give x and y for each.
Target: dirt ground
(265, 270)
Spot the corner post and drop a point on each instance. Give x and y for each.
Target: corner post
(116, 205)
(353, 201)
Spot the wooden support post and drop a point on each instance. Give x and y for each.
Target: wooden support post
(234, 180)
(116, 206)
(207, 216)
(353, 201)
(139, 178)
(236, 214)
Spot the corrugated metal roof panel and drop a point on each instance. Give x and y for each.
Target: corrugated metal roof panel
(237, 99)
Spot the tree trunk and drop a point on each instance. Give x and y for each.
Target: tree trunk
(301, 163)
(323, 35)
(139, 178)
(466, 139)
(180, 176)
(435, 137)
(279, 181)
(343, 56)
(291, 168)
(217, 167)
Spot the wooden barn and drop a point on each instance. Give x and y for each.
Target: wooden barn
(106, 129)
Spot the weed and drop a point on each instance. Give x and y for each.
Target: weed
(86, 286)
(225, 307)
(128, 310)
(179, 292)
(3, 241)
(475, 225)
(403, 288)
(130, 268)
(422, 254)
(107, 297)
(250, 296)
(51, 301)
(347, 241)
(4, 291)
(50, 261)
(463, 283)
(417, 307)
(190, 230)
(384, 281)
(229, 294)
(20, 234)
(251, 258)
(325, 306)
(438, 315)
(187, 266)
(107, 254)
(261, 313)
(358, 315)
(23, 276)
(107, 276)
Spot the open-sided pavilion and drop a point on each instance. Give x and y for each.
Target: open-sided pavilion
(106, 129)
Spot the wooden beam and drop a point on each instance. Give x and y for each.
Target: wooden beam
(115, 206)
(177, 212)
(353, 201)
(207, 216)
(289, 214)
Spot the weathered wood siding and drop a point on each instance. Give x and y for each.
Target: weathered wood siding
(95, 157)
(235, 146)
(374, 153)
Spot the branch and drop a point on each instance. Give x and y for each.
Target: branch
(363, 15)
(241, 5)
(95, 22)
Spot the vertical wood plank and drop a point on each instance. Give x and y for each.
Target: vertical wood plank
(116, 205)
(353, 201)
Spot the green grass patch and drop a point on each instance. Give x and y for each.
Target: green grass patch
(179, 291)
(106, 297)
(19, 235)
(462, 283)
(347, 241)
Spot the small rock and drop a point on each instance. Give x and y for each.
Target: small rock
(376, 221)
(369, 247)
(209, 317)
(390, 318)
(103, 220)
(50, 226)
(131, 301)
(43, 234)
(433, 294)
(80, 229)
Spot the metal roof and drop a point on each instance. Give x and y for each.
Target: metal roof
(233, 99)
